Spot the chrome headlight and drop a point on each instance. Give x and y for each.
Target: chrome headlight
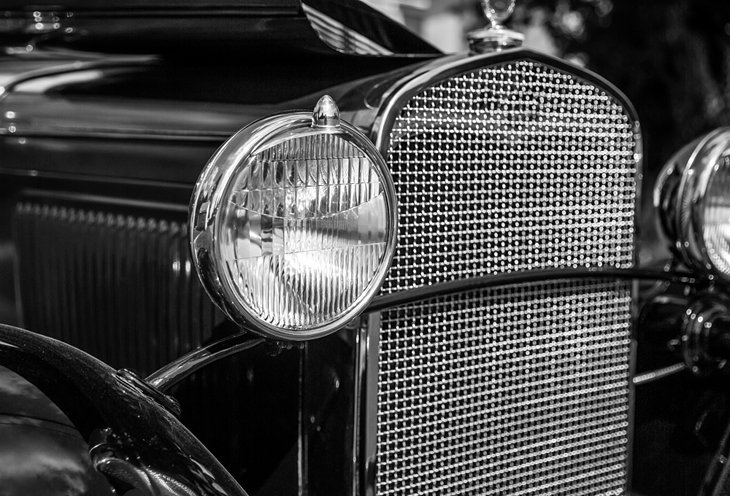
(693, 195)
(293, 224)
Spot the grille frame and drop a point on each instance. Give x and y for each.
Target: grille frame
(391, 104)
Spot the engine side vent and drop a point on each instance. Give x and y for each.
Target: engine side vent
(114, 280)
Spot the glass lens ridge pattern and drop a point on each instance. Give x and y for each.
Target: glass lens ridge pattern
(304, 231)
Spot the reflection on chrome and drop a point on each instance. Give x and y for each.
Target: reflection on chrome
(495, 36)
(340, 37)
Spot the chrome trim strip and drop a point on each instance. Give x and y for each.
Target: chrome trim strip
(385, 302)
(358, 402)
(633, 358)
(338, 36)
(145, 135)
(655, 375)
(370, 341)
(76, 66)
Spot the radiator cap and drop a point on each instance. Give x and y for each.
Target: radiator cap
(495, 36)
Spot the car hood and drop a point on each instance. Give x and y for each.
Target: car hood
(253, 28)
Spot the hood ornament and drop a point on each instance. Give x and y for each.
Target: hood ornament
(495, 36)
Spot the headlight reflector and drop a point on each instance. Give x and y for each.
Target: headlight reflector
(293, 224)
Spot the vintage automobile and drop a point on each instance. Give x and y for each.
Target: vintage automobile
(320, 257)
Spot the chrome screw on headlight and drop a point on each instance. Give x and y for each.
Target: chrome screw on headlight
(693, 196)
(293, 224)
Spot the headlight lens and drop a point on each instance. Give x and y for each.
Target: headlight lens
(293, 224)
(693, 195)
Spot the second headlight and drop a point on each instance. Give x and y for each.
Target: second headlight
(693, 194)
(293, 224)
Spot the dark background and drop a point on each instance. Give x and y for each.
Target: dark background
(671, 58)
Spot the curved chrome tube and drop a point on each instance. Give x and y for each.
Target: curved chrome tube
(176, 371)
(655, 375)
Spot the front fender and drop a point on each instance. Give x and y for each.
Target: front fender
(130, 436)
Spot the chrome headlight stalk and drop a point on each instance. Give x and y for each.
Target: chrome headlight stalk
(293, 224)
(693, 197)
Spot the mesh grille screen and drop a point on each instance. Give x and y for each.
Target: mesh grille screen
(513, 167)
(524, 390)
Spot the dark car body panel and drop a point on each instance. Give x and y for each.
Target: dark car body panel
(41, 452)
(55, 125)
(95, 398)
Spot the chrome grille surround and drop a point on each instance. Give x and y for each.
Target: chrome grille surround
(506, 164)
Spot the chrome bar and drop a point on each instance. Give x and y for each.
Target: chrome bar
(179, 369)
(413, 295)
(655, 375)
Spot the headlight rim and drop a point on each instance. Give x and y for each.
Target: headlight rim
(694, 167)
(214, 184)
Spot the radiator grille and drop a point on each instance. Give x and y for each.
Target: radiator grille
(509, 168)
(114, 281)
(521, 390)
(524, 390)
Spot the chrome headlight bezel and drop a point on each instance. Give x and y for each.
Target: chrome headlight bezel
(211, 191)
(681, 196)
